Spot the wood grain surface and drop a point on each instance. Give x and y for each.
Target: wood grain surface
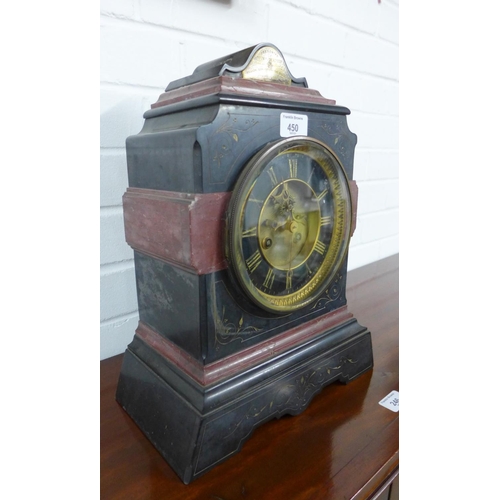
(343, 446)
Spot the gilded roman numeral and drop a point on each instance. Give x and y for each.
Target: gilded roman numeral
(322, 194)
(325, 221)
(254, 261)
(256, 200)
(309, 271)
(320, 247)
(289, 275)
(292, 163)
(310, 177)
(268, 282)
(249, 232)
(272, 175)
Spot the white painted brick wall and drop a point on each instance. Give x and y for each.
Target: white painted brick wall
(347, 49)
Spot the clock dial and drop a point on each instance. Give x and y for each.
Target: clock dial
(289, 223)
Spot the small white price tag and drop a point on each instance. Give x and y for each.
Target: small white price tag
(292, 124)
(391, 401)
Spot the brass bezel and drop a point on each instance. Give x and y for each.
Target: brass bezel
(338, 247)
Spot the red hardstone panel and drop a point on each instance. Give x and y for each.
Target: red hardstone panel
(180, 228)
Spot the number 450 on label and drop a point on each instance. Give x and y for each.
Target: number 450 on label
(292, 124)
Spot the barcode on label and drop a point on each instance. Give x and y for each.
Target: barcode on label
(391, 401)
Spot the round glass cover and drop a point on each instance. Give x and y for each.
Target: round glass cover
(289, 223)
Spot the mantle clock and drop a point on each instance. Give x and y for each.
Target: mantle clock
(240, 208)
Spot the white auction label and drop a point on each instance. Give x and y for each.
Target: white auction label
(391, 401)
(292, 124)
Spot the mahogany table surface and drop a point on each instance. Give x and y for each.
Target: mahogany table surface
(345, 445)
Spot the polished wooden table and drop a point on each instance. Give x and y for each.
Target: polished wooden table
(343, 446)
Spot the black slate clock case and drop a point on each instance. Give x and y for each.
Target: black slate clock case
(200, 145)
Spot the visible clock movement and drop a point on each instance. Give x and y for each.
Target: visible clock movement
(240, 208)
(289, 223)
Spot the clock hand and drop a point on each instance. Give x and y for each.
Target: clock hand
(290, 247)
